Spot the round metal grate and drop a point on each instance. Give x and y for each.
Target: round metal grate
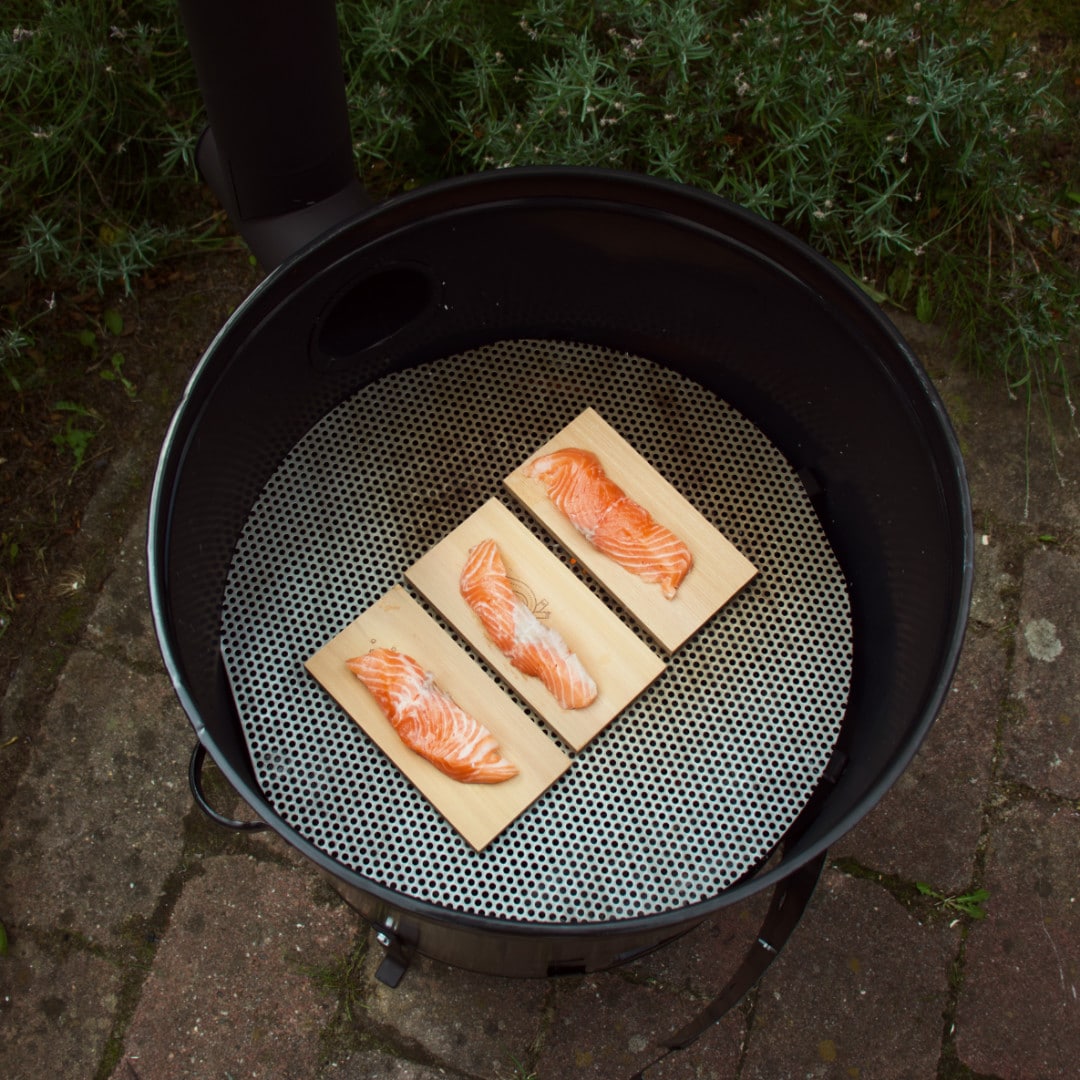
(685, 791)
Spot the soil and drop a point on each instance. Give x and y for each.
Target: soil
(102, 381)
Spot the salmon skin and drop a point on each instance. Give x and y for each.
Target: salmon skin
(530, 646)
(610, 520)
(428, 720)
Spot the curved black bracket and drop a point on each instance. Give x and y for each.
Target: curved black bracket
(195, 767)
(790, 898)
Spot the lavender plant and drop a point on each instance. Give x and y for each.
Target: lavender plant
(99, 115)
(903, 142)
(900, 144)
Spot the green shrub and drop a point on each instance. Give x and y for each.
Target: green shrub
(905, 144)
(99, 119)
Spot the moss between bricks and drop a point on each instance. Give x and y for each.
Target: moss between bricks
(344, 981)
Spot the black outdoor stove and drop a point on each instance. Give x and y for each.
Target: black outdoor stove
(374, 389)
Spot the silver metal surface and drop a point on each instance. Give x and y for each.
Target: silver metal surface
(688, 788)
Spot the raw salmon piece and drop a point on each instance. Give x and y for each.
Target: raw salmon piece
(429, 721)
(610, 520)
(530, 646)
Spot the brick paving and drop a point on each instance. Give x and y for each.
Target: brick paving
(146, 943)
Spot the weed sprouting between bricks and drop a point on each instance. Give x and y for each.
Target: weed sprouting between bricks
(968, 904)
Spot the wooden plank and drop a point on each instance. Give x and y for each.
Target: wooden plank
(620, 663)
(479, 812)
(719, 570)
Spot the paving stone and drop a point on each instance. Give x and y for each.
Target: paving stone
(1018, 1016)
(92, 831)
(125, 484)
(699, 963)
(232, 989)
(611, 1023)
(858, 992)
(475, 1023)
(56, 1013)
(927, 826)
(713, 1056)
(605, 1027)
(1014, 477)
(1042, 747)
(372, 1065)
(482, 1024)
(120, 624)
(992, 584)
(93, 828)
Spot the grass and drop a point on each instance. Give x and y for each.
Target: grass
(100, 113)
(343, 980)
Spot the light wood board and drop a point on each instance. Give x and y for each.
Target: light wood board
(620, 663)
(479, 812)
(719, 569)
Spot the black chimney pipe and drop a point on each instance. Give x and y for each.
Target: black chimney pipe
(278, 150)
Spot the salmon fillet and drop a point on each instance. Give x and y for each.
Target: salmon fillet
(428, 720)
(610, 520)
(530, 646)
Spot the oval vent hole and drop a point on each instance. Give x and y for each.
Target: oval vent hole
(373, 310)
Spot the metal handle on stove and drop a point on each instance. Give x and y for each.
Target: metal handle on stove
(195, 767)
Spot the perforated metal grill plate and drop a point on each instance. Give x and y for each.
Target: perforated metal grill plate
(688, 788)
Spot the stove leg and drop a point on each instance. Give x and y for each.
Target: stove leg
(394, 964)
(789, 900)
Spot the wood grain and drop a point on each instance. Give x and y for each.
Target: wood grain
(719, 569)
(620, 663)
(479, 812)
